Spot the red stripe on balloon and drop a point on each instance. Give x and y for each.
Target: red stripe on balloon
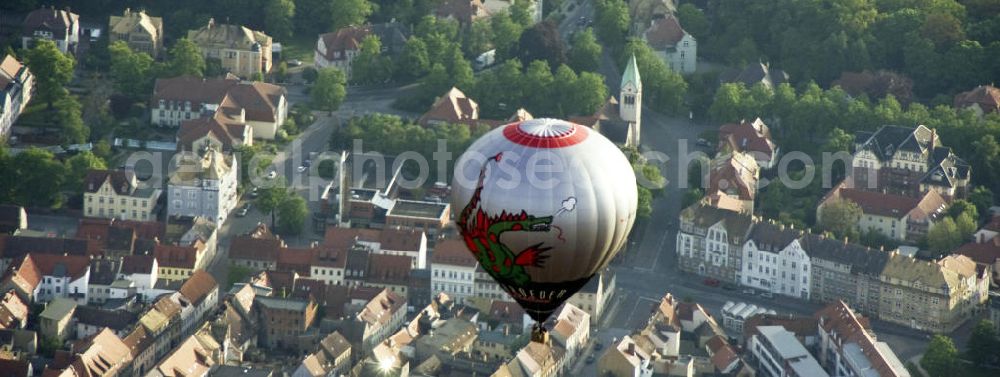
(575, 135)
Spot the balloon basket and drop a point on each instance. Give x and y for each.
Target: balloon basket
(539, 334)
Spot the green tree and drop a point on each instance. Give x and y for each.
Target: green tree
(966, 226)
(350, 12)
(589, 94)
(961, 206)
(77, 168)
(329, 91)
(185, 58)
(840, 217)
(941, 357)
(370, 66)
(39, 177)
(664, 88)
(983, 344)
(542, 42)
(838, 141)
(278, 16)
(944, 236)
(479, 38)
(727, 103)
(67, 117)
(585, 53)
(645, 206)
(130, 70)
(459, 69)
(292, 214)
(520, 12)
(269, 199)
(693, 19)
(506, 33)
(415, 61)
(52, 70)
(612, 21)
(982, 198)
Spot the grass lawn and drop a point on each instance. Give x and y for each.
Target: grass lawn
(299, 47)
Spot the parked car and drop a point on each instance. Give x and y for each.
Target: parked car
(712, 282)
(272, 174)
(295, 62)
(253, 193)
(767, 295)
(302, 168)
(243, 211)
(749, 291)
(590, 359)
(598, 346)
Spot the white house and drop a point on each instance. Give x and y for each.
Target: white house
(672, 44)
(260, 106)
(16, 87)
(202, 292)
(56, 25)
(203, 187)
(453, 270)
(774, 261)
(62, 276)
(141, 270)
(571, 331)
(778, 353)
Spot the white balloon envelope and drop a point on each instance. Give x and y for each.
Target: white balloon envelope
(543, 205)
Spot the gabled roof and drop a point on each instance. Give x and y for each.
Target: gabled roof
(463, 11)
(13, 311)
(862, 260)
(197, 287)
(704, 216)
(895, 206)
(10, 71)
(753, 137)
(664, 33)
(225, 35)
(849, 328)
(389, 269)
(987, 97)
(229, 134)
(103, 271)
(176, 256)
(344, 39)
(380, 309)
(137, 264)
(453, 107)
(260, 244)
(13, 247)
(72, 266)
(117, 320)
(735, 174)
(58, 309)
(259, 100)
(130, 21)
(15, 368)
(755, 73)
(889, 139)
(57, 21)
(453, 252)
(631, 75)
(772, 237)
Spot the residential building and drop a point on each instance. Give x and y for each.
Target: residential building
(908, 161)
(378, 319)
(462, 11)
(453, 270)
(733, 176)
(777, 353)
(427, 216)
(59, 26)
(390, 272)
(141, 270)
(190, 358)
(735, 315)
(100, 355)
(983, 99)
(283, 321)
(115, 238)
(24, 278)
(710, 241)
(754, 74)
(90, 320)
(104, 284)
(235, 111)
(454, 107)
(117, 194)
(258, 250)
(932, 296)
(338, 49)
(848, 347)
(774, 261)
(846, 271)
(753, 138)
(140, 31)
(672, 44)
(643, 12)
(17, 85)
(454, 337)
(202, 292)
(62, 276)
(571, 331)
(203, 186)
(901, 218)
(17, 368)
(242, 52)
(13, 311)
(178, 263)
(389, 241)
(595, 296)
(625, 359)
(332, 358)
(55, 322)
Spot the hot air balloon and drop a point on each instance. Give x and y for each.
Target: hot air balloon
(543, 205)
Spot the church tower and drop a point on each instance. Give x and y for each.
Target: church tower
(630, 102)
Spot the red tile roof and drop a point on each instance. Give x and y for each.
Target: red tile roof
(255, 248)
(297, 259)
(985, 253)
(987, 97)
(453, 252)
(346, 39)
(664, 33)
(137, 264)
(25, 274)
(73, 266)
(891, 205)
(198, 286)
(13, 311)
(121, 181)
(453, 107)
(258, 99)
(175, 256)
(229, 134)
(506, 312)
(839, 318)
(754, 137)
(389, 269)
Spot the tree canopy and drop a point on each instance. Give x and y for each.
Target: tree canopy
(329, 91)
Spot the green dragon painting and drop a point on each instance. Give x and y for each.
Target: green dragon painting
(482, 232)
